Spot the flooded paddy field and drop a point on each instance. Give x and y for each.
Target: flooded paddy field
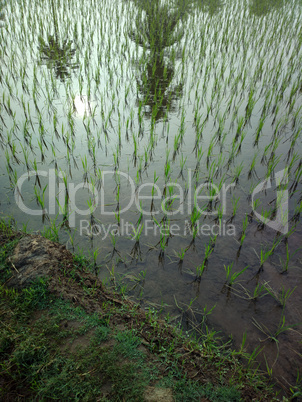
(163, 140)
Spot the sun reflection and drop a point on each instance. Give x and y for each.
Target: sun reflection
(82, 105)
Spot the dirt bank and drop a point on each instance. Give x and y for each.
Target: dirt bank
(64, 335)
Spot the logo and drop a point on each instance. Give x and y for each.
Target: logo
(280, 223)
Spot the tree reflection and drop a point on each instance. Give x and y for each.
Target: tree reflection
(263, 7)
(57, 54)
(157, 25)
(210, 7)
(155, 90)
(157, 28)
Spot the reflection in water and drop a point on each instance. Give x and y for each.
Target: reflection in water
(263, 7)
(82, 105)
(157, 25)
(55, 54)
(154, 88)
(2, 15)
(157, 28)
(211, 7)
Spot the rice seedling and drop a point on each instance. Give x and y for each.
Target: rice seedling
(113, 235)
(243, 234)
(199, 271)
(85, 169)
(153, 191)
(235, 207)
(52, 231)
(298, 175)
(134, 150)
(180, 255)
(195, 216)
(266, 253)
(237, 174)
(8, 164)
(296, 217)
(163, 242)
(295, 116)
(258, 292)
(273, 335)
(281, 296)
(252, 171)
(167, 167)
(40, 199)
(241, 121)
(95, 256)
(139, 281)
(259, 130)
(295, 158)
(232, 276)
(250, 105)
(136, 250)
(266, 216)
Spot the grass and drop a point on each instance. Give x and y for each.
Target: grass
(39, 368)
(51, 345)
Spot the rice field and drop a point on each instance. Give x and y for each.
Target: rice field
(163, 140)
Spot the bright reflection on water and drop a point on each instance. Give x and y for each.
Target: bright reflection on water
(82, 106)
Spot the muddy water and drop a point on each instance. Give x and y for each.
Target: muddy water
(106, 100)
